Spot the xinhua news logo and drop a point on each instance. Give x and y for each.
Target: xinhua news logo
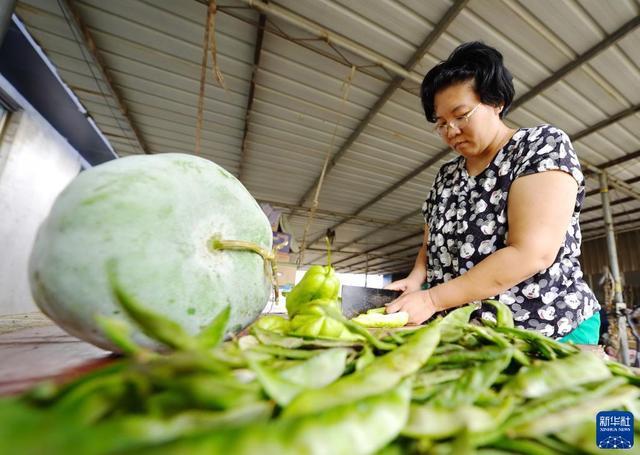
(614, 430)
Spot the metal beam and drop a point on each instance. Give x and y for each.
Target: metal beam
(431, 38)
(606, 122)
(582, 58)
(620, 306)
(620, 185)
(90, 44)
(412, 247)
(379, 262)
(400, 250)
(365, 219)
(616, 183)
(371, 256)
(622, 159)
(628, 181)
(615, 215)
(618, 232)
(624, 200)
(273, 10)
(602, 228)
(377, 267)
(387, 268)
(252, 90)
(396, 222)
(379, 247)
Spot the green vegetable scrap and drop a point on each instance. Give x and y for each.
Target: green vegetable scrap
(311, 321)
(378, 320)
(273, 323)
(379, 375)
(291, 387)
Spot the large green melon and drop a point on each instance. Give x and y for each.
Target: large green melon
(154, 216)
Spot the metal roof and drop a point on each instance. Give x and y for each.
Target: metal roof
(576, 64)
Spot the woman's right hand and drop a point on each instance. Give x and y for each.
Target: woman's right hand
(406, 285)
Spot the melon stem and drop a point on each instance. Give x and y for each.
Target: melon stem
(216, 243)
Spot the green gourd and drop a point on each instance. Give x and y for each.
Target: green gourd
(183, 236)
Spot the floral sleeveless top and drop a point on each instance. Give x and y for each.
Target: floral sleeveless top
(467, 220)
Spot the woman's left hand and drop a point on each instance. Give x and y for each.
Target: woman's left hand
(418, 304)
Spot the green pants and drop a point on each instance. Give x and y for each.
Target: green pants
(586, 333)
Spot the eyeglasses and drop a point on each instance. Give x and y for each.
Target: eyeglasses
(458, 123)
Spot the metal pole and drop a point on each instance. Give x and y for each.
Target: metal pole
(620, 306)
(620, 185)
(6, 10)
(366, 271)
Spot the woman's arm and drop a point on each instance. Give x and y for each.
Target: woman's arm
(413, 281)
(540, 207)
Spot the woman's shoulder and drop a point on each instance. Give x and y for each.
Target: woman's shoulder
(540, 133)
(544, 147)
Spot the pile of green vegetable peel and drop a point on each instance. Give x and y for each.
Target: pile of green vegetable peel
(450, 387)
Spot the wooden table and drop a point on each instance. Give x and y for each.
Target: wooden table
(33, 352)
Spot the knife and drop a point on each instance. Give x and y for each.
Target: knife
(356, 299)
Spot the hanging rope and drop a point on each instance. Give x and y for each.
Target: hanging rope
(346, 86)
(208, 43)
(214, 49)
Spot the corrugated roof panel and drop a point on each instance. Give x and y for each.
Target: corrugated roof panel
(393, 17)
(169, 30)
(629, 45)
(303, 109)
(411, 115)
(609, 14)
(527, 33)
(312, 95)
(566, 20)
(431, 11)
(391, 145)
(323, 85)
(354, 26)
(153, 52)
(620, 72)
(311, 63)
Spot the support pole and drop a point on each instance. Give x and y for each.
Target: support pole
(366, 271)
(620, 306)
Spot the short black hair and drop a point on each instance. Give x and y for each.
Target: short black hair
(470, 61)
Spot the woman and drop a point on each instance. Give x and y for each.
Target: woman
(502, 217)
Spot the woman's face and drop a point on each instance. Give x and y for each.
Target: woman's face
(477, 131)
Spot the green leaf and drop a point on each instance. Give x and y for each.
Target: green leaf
(119, 333)
(453, 324)
(213, 334)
